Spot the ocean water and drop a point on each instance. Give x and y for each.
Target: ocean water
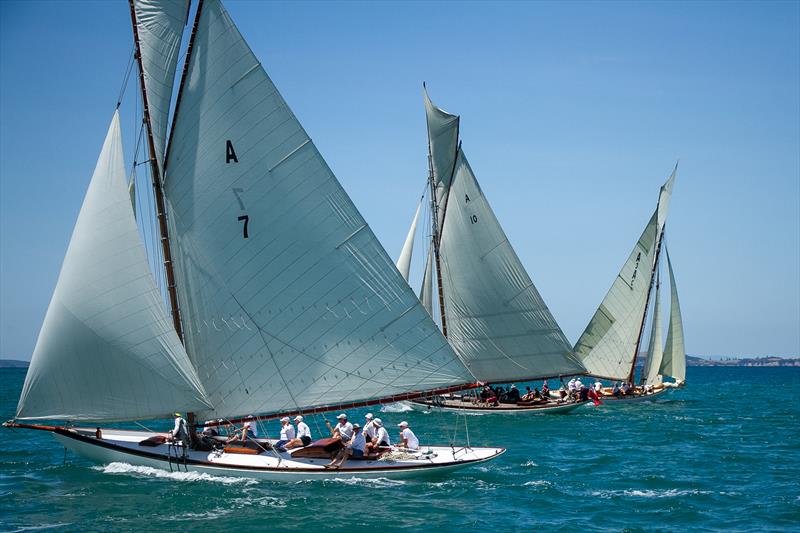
(723, 454)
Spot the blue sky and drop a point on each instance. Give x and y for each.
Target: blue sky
(572, 115)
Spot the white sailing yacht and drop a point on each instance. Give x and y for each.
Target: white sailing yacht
(489, 309)
(282, 299)
(610, 345)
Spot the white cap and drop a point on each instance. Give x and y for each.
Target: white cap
(247, 424)
(298, 418)
(341, 415)
(356, 426)
(378, 422)
(368, 416)
(285, 419)
(403, 424)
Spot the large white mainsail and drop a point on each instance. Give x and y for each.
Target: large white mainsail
(655, 350)
(289, 301)
(107, 349)
(496, 320)
(159, 27)
(674, 361)
(608, 345)
(404, 260)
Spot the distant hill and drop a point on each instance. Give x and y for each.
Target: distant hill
(13, 363)
(767, 360)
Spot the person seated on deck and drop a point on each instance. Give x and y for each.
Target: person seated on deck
(571, 390)
(302, 435)
(343, 429)
(583, 393)
(209, 430)
(407, 437)
(545, 390)
(512, 396)
(616, 391)
(528, 394)
(381, 437)
(356, 447)
(626, 389)
(287, 434)
(578, 385)
(598, 386)
(248, 430)
(369, 427)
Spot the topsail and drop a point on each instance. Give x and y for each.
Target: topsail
(288, 299)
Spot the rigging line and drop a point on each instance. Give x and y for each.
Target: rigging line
(127, 76)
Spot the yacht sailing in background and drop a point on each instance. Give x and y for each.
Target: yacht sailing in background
(282, 299)
(610, 344)
(488, 307)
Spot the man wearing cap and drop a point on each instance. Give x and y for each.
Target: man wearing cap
(343, 430)
(303, 436)
(381, 437)
(407, 437)
(248, 430)
(355, 448)
(369, 428)
(287, 434)
(181, 431)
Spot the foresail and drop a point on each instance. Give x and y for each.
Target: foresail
(289, 300)
(404, 261)
(107, 350)
(497, 321)
(159, 27)
(655, 350)
(674, 363)
(607, 346)
(426, 291)
(443, 145)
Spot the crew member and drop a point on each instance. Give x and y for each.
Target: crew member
(407, 437)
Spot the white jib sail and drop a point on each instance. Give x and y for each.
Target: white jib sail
(426, 291)
(443, 145)
(674, 362)
(107, 349)
(288, 298)
(607, 346)
(655, 350)
(159, 25)
(496, 320)
(404, 261)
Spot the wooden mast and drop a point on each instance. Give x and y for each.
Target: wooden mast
(157, 190)
(644, 315)
(436, 240)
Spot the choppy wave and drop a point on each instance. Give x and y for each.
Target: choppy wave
(374, 482)
(398, 407)
(649, 493)
(147, 471)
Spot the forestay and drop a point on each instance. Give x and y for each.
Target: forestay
(426, 291)
(107, 349)
(497, 321)
(655, 350)
(159, 27)
(443, 145)
(288, 298)
(674, 362)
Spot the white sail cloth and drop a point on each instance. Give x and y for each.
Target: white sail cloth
(496, 320)
(426, 291)
(288, 298)
(442, 145)
(159, 26)
(655, 350)
(404, 260)
(107, 349)
(674, 361)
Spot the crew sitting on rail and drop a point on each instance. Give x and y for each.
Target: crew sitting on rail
(381, 437)
(369, 428)
(248, 430)
(343, 429)
(407, 437)
(626, 389)
(512, 396)
(287, 434)
(303, 435)
(355, 448)
(598, 386)
(583, 393)
(616, 391)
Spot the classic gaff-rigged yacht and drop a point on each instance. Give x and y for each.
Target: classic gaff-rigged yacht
(610, 344)
(489, 309)
(283, 297)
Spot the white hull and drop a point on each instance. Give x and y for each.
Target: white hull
(509, 409)
(612, 400)
(123, 446)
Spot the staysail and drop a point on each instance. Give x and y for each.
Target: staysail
(426, 291)
(443, 147)
(655, 350)
(159, 27)
(608, 345)
(497, 321)
(404, 261)
(107, 349)
(289, 300)
(674, 361)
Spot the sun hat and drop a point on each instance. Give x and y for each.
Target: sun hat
(341, 415)
(403, 424)
(298, 418)
(285, 419)
(368, 416)
(378, 422)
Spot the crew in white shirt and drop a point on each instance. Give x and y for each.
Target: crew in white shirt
(369, 428)
(355, 448)
(343, 430)
(407, 437)
(598, 386)
(381, 437)
(287, 433)
(303, 436)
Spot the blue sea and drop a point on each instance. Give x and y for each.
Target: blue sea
(723, 454)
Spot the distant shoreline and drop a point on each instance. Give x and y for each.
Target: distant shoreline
(691, 360)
